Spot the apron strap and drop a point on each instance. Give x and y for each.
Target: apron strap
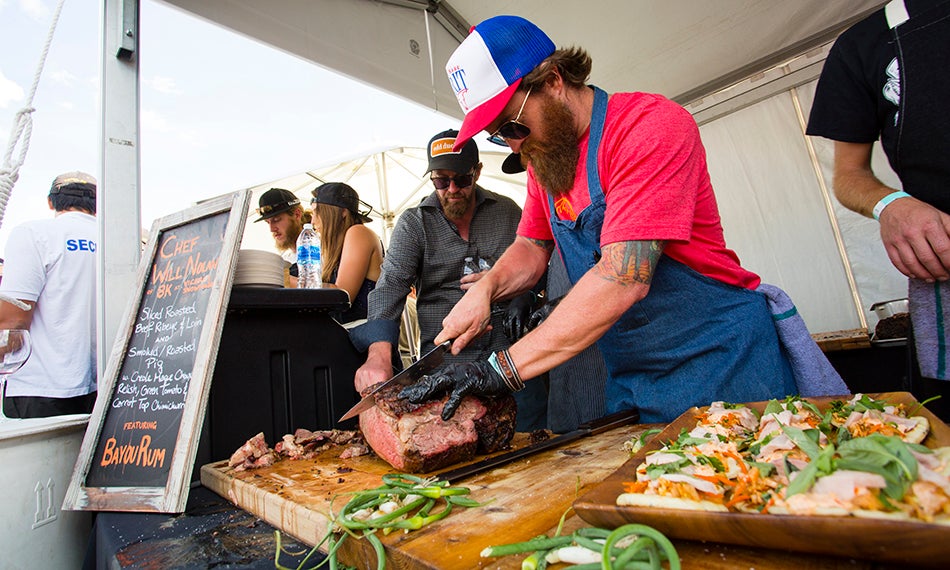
(597, 120)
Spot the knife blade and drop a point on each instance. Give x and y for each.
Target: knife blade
(590, 428)
(426, 364)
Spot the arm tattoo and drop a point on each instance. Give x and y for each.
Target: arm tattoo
(629, 262)
(545, 244)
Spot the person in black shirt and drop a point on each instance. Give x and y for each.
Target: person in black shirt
(888, 78)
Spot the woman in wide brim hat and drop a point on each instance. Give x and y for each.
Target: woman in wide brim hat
(352, 253)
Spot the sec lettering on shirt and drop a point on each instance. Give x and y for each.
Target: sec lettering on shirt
(81, 245)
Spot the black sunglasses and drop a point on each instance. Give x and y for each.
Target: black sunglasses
(266, 209)
(461, 181)
(512, 130)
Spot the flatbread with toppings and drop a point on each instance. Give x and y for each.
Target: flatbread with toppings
(863, 415)
(861, 457)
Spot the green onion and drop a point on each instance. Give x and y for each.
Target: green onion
(540, 543)
(409, 515)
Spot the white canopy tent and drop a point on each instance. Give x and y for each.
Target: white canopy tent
(746, 69)
(390, 180)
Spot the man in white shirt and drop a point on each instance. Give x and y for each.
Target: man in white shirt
(50, 265)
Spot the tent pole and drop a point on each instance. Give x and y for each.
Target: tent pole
(829, 208)
(383, 185)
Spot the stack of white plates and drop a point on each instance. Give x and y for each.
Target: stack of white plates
(256, 268)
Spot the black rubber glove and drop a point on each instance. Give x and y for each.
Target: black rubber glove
(516, 319)
(542, 313)
(475, 378)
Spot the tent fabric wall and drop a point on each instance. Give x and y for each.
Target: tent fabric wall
(777, 218)
(876, 277)
(773, 212)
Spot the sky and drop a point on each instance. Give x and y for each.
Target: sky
(219, 112)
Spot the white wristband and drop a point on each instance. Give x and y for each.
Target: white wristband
(879, 207)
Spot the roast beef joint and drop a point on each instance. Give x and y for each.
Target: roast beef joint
(413, 438)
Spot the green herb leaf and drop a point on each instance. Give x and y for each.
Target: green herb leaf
(821, 465)
(806, 440)
(773, 407)
(887, 456)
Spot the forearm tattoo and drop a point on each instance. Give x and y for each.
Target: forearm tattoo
(629, 262)
(545, 244)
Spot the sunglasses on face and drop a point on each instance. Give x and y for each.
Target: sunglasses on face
(461, 181)
(512, 130)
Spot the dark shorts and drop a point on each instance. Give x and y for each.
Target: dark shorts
(40, 407)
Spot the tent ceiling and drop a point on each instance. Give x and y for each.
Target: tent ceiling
(683, 49)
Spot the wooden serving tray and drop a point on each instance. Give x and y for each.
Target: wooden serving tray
(903, 542)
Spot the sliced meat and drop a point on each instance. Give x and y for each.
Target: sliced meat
(254, 453)
(414, 438)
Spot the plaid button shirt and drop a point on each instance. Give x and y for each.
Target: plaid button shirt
(427, 251)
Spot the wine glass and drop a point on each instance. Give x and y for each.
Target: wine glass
(15, 349)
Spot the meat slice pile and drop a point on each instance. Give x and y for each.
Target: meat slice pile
(253, 454)
(414, 438)
(302, 444)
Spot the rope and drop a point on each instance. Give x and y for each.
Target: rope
(23, 125)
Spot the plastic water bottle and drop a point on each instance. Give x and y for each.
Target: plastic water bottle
(470, 267)
(483, 265)
(309, 262)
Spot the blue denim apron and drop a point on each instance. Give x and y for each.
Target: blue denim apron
(692, 340)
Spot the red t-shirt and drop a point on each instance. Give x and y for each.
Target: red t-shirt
(653, 171)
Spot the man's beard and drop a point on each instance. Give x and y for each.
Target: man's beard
(553, 157)
(455, 209)
(289, 241)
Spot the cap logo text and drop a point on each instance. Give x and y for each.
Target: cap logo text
(442, 146)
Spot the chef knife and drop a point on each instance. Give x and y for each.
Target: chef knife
(592, 427)
(429, 362)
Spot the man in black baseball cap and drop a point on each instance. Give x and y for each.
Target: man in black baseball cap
(454, 174)
(428, 248)
(285, 216)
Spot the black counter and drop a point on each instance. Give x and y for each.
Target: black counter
(283, 363)
(211, 533)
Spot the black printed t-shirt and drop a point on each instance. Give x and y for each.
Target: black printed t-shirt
(858, 93)
(859, 89)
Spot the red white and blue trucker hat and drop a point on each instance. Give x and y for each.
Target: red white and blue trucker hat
(487, 67)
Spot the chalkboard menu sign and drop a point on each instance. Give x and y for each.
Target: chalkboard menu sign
(142, 438)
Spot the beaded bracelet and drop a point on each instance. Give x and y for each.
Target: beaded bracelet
(514, 371)
(501, 362)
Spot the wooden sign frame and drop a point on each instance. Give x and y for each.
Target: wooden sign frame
(171, 497)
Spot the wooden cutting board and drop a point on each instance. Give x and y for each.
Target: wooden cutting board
(528, 497)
